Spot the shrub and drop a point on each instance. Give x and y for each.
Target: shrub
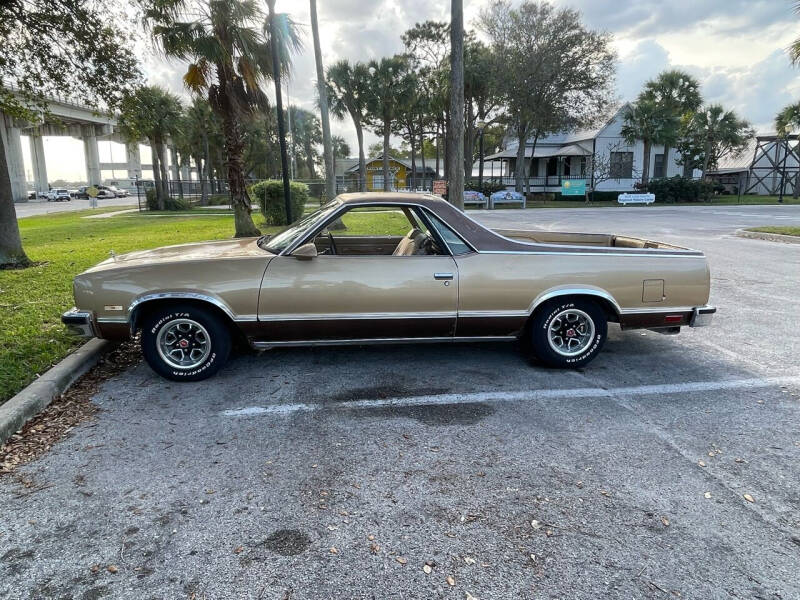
(488, 187)
(269, 195)
(169, 202)
(219, 200)
(680, 189)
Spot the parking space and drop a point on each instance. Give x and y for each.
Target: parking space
(667, 468)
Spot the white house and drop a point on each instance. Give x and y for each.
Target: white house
(568, 156)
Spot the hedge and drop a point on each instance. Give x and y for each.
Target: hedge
(269, 195)
(680, 189)
(170, 203)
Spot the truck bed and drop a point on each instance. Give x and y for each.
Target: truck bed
(584, 239)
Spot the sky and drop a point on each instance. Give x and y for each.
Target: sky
(736, 48)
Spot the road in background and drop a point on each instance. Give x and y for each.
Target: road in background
(342, 472)
(42, 207)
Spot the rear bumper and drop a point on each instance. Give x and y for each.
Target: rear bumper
(702, 316)
(79, 322)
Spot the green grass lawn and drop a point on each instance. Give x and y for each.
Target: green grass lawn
(32, 337)
(781, 230)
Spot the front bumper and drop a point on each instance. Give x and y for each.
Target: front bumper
(702, 316)
(79, 322)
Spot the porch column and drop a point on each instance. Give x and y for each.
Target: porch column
(14, 158)
(133, 160)
(39, 164)
(92, 156)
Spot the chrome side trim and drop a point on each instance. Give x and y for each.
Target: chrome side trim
(658, 310)
(606, 252)
(491, 313)
(356, 316)
(376, 341)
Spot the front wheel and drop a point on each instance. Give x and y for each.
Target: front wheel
(568, 333)
(185, 342)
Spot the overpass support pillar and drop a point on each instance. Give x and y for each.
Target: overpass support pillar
(39, 162)
(134, 160)
(14, 159)
(92, 156)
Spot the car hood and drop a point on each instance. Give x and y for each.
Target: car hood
(201, 251)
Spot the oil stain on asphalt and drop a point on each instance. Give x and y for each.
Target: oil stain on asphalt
(287, 542)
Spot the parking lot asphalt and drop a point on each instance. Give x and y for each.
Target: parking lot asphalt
(668, 468)
(43, 207)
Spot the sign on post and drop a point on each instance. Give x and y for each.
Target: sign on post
(92, 192)
(636, 198)
(440, 187)
(573, 187)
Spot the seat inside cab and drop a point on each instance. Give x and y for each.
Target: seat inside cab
(377, 231)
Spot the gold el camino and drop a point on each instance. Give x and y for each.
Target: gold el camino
(346, 274)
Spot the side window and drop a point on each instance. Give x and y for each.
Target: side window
(451, 238)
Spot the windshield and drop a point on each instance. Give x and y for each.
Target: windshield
(288, 236)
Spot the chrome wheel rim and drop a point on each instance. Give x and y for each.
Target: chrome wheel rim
(570, 332)
(183, 343)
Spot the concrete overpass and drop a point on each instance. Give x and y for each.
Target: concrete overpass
(69, 119)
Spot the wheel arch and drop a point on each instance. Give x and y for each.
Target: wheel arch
(605, 300)
(144, 304)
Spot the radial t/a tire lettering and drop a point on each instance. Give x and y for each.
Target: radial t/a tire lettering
(568, 333)
(185, 342)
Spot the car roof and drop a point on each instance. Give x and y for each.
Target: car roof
(428, 200)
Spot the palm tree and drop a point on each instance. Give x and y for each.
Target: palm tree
(389, 87)
(715, 133)
(322, 90)
(455, 147)
(794, 49)
(341, 149)
(643, 121)
(153, 113)
(676, 93)
(348, 87)
(229, 58)
(198, 128)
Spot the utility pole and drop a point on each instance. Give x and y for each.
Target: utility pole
(276, 77)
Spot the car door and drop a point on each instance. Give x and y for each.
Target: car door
(352, 297)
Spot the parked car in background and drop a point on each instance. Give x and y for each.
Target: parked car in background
(31, 195)
(103, 192)
(118, 192)
(448, 279)
(58, 195)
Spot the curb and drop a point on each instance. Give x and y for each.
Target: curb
(770, 237)
(55, 381)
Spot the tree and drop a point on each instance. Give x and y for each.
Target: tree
(389, 86)
(229, 58)
(341, 149)
(151, 112)
(794, 49)
(562, 73)
(199, 131)
(480, 97)
(48, 48)
(675, 93)
(348, 87)
(644, 121)
(322, 90)
(711, 134)
(306, 136)
(455, 147)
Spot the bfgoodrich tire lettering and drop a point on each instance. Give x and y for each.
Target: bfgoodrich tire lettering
(184, 342)
(568, 333)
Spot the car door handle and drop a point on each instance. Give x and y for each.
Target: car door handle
(441, 276)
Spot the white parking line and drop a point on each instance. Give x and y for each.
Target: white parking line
(528, 395)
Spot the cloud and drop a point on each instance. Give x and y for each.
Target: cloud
(644, 61)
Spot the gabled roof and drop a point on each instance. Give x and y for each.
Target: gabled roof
(402, 161)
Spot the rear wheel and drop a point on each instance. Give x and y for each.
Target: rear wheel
(185, 342)
(568, 333)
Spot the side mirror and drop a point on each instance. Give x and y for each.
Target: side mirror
(305, 252)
